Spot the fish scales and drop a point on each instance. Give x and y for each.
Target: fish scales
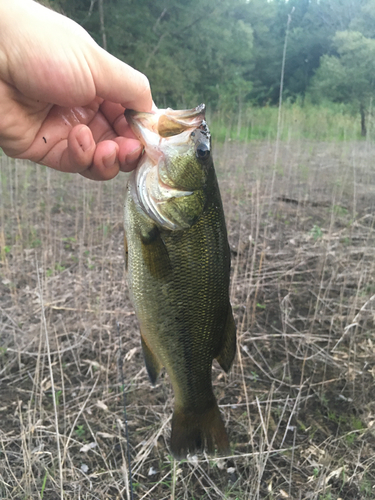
(179, 286)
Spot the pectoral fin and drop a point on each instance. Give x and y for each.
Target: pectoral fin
(228, 346)
(155, 254)
(153, 366)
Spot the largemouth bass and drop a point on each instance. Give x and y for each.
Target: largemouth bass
(178, 265)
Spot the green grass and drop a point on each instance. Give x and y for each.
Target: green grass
(313, 122)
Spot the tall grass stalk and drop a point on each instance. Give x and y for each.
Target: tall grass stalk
(44, 323)
(278, 131)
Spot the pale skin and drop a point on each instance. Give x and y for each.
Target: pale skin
(62, 97)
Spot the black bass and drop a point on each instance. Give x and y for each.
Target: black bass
(178, 264)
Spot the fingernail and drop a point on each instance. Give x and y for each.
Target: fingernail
(84, 139)
(110, 159)
(131, 159)
(133, 155)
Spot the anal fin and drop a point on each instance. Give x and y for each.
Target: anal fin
(229, 343)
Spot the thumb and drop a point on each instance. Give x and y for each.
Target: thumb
(118, 82)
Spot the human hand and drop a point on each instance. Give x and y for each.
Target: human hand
(62, 97)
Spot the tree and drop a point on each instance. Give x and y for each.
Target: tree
(228, 53)
(309, 38)
(364, 20)
(348, 76)
(190, 51)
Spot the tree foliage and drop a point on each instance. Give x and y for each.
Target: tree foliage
(228, 52)
(348, 76)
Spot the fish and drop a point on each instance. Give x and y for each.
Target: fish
(178, 270)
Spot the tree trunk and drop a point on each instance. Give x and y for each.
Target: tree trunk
(363, 120)
(102, 27)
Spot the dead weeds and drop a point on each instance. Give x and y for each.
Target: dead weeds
(299, 401)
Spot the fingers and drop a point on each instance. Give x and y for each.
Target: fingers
(94, 150)
(105, 164)
(114, 114)
(101, 161)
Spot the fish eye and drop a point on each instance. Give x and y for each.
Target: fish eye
(202, 151)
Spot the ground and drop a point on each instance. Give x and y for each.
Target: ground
(299, 401)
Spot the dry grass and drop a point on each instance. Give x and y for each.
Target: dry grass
(299, 401)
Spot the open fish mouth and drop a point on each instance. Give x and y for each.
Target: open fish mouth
(166, 135)
(164, 122)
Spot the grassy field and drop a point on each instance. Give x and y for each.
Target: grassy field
(299, 401)
(333, 122)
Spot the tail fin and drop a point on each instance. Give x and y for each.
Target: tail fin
(197, 431)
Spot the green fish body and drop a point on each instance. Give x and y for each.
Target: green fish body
(178, 266)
